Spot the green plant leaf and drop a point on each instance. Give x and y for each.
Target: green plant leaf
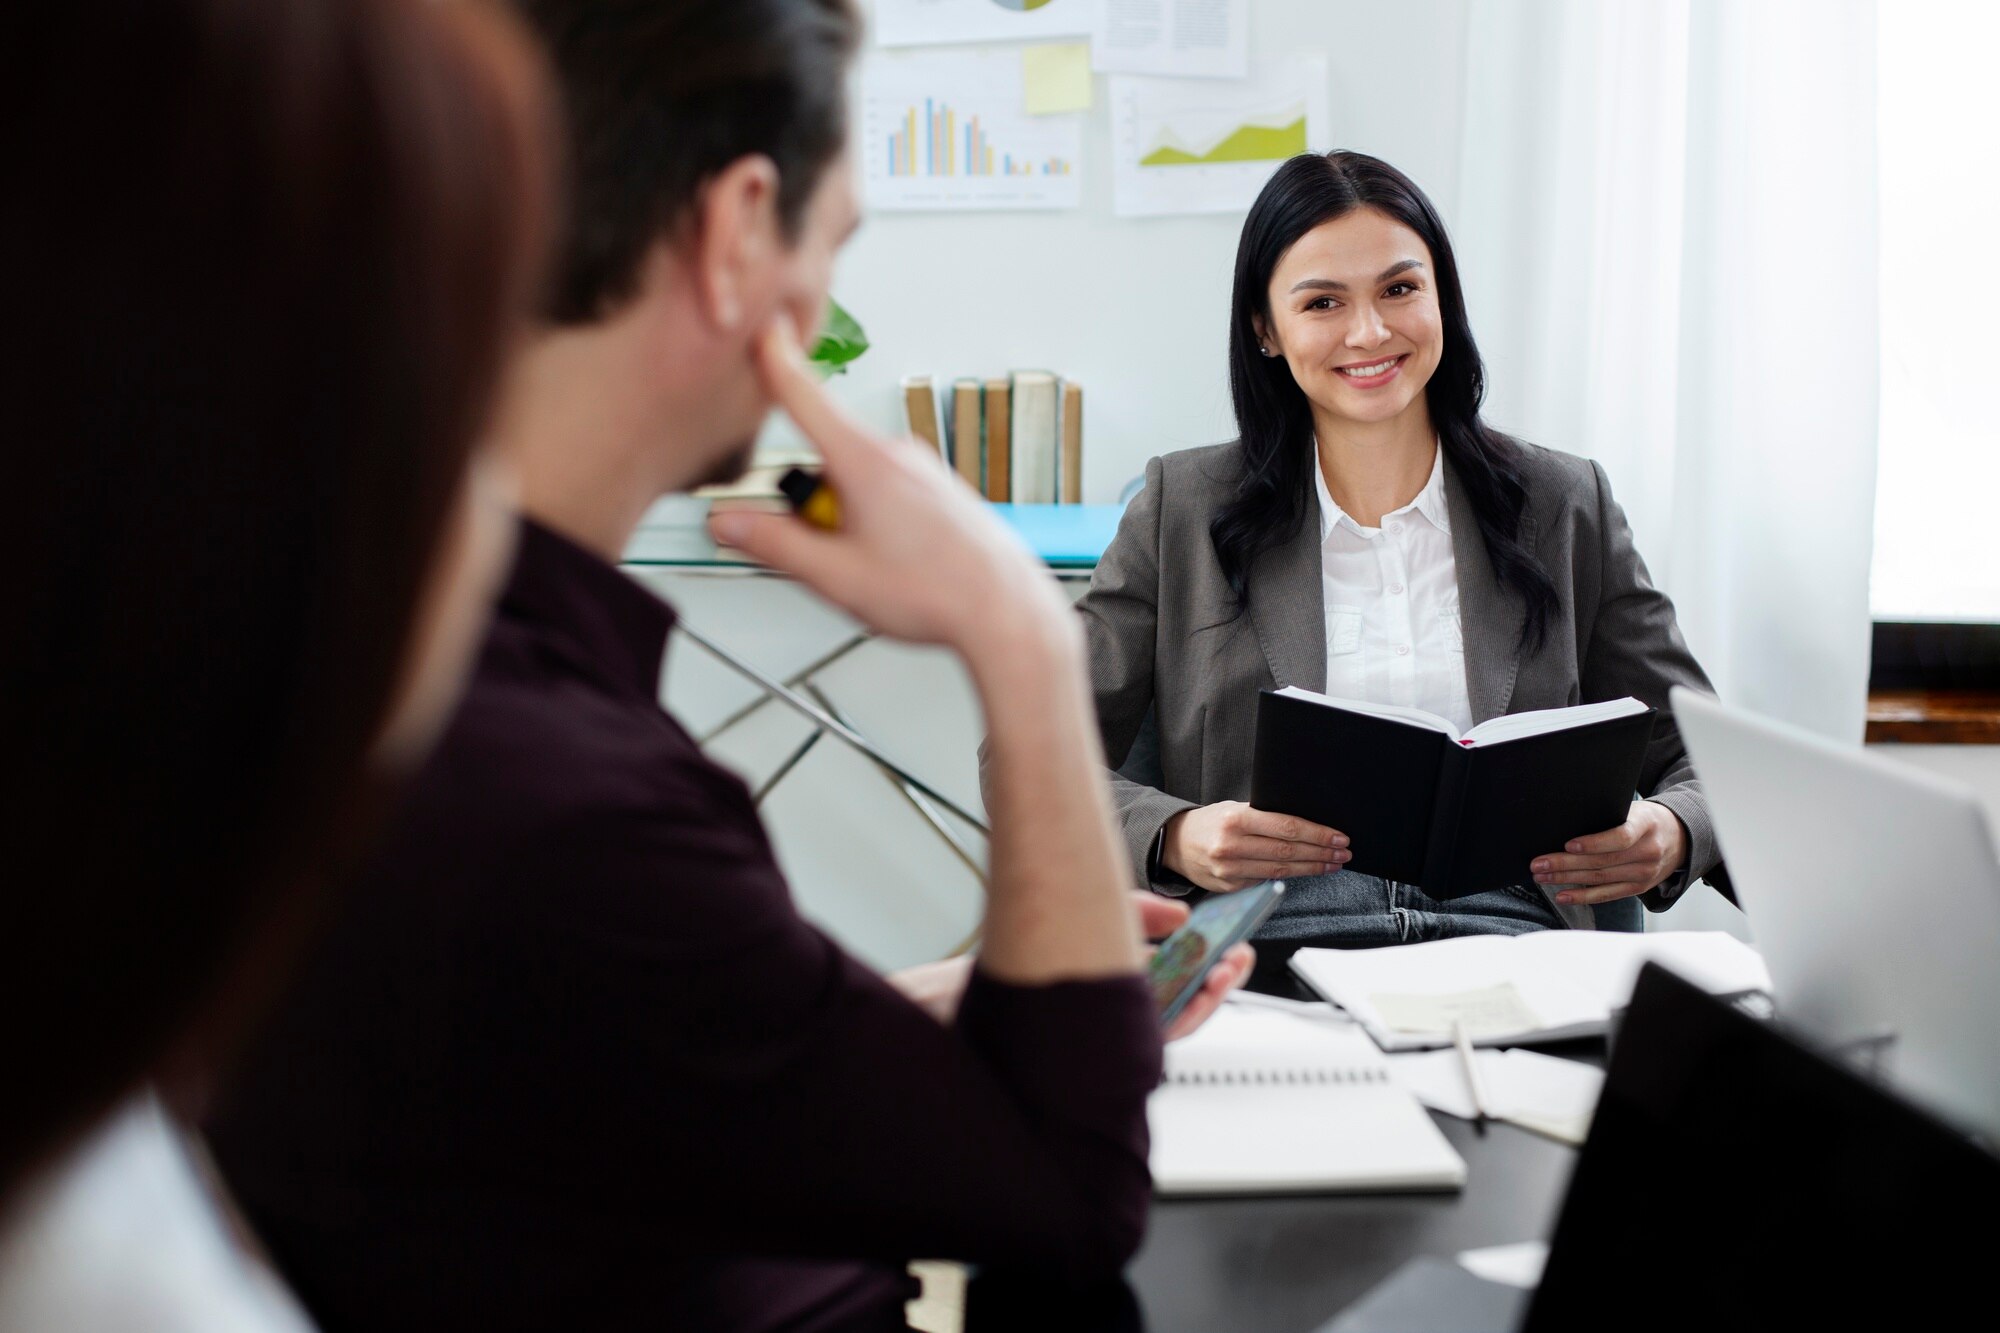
(841, 340)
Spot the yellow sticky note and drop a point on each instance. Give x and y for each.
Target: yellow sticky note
(1056, 78)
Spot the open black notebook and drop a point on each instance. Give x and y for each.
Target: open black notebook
(1450, 814)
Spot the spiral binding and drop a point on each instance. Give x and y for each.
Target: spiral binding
(1270, 1077)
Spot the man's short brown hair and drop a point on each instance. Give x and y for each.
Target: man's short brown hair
(663, 94)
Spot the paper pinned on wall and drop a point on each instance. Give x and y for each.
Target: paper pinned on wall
(1185, 38)
(1056, 78)
(949, 130)
(1208, 146)
(932, 22)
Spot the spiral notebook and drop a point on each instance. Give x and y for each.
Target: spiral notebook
(1262, 1101)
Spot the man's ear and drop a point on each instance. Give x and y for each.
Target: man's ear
(737, 240)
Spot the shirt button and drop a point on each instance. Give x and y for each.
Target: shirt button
(1402, 650)
(1395, 589)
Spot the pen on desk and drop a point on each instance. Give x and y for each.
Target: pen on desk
(811, 498)
(1464, 1044)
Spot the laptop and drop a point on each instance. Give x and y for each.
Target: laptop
(1735, 1177)
(1873, 891)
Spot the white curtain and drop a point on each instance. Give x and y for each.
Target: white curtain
(1666, 224)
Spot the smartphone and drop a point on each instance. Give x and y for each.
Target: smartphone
(1212, 930)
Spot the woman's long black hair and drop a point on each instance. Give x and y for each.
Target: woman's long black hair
(1274, 420)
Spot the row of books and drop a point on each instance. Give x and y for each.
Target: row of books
(1015, 438)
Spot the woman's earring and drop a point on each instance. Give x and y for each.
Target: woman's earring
(1265, 350)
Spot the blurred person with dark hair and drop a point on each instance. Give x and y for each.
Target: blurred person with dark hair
(574, 1059)
(270, 261)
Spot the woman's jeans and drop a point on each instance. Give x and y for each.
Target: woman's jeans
(1346, 910)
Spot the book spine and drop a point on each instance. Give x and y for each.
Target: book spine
(1447, 814)
(965, 431)
(1069, 489)
(1034, 461)
(999, 441)
(920, 406)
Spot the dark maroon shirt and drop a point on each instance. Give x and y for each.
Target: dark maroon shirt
(572, 1059)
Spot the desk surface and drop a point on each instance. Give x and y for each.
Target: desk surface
(1288, 1265)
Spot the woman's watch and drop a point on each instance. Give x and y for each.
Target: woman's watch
(1163, 880)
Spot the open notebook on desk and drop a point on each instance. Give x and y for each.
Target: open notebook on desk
(1548, 985)
(1260, 1101)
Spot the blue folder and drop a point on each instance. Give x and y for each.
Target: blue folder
(1064, 536)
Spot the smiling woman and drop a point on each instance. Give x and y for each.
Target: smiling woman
(1370, 536)
(1315, 214)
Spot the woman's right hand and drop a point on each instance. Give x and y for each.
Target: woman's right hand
(1231, 845)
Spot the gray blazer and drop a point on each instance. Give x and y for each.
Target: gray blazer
(1166, 654)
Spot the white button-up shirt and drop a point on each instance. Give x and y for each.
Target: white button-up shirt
(1391, 596)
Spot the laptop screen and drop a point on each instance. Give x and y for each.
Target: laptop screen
(1735, 1179)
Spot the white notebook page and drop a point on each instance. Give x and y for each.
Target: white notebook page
(1569, 981)
(1264, 1101)
(1493, 731)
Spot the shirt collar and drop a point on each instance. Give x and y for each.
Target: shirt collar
(1430, 501)
(610, 625)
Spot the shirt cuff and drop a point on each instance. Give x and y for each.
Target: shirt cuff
(1142, 817)
(1668, 891)
(1088, 1047)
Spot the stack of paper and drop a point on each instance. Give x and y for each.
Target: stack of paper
(1535, 1091)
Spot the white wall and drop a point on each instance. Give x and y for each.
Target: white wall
(1137, 309)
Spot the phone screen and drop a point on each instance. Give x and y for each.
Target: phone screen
(1215, 927)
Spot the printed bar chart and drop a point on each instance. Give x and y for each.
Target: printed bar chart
(931, 140)
(949, 130)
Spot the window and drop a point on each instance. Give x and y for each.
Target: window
(1937, 507)
(1935, 585)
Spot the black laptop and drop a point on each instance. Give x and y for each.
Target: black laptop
(1736, 1179)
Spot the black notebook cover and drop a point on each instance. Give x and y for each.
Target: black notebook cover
(1423, 810)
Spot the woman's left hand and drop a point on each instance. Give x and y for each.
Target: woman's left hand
(1623, 862)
